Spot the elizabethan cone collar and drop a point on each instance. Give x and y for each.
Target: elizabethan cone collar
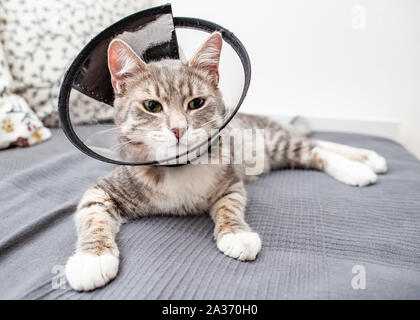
(153, 34)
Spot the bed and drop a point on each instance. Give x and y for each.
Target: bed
(319, 236)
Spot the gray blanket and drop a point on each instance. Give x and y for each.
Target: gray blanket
(315, 230)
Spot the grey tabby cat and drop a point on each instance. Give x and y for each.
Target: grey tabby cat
(165, 103)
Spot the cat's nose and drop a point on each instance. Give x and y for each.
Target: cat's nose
(178, 132)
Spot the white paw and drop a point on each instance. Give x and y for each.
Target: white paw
(243, 245)
(345, 170)
(376, 162)
(86, 272)
(356, 174)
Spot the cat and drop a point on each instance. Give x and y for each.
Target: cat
(163, 103)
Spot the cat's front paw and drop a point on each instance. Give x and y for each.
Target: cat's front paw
(86, 271)
(243, 245)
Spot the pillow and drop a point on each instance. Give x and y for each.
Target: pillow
(41, 38)
(19, 126)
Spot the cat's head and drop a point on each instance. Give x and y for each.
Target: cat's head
(165, 106)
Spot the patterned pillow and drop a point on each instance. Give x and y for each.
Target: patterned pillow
(19, 126)
(41, 38)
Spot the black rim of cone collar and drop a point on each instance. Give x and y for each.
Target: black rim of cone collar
(179, 22)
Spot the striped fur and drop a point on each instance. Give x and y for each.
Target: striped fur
(129, 192)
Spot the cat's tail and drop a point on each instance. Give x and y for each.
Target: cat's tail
(299, 126)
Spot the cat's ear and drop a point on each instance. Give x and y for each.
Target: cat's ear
(208, 56)
(123, 63)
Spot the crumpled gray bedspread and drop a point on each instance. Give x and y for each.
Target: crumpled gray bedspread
(314, 231)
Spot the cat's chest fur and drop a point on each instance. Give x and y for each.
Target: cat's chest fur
(187, 189)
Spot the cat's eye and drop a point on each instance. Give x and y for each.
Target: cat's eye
(195, 103)
(152, 106)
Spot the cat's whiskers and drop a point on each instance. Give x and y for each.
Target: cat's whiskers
(99, 133)
(119, 146)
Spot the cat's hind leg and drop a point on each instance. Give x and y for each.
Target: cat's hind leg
(96, 259)
(299, 152)
(343, 169)
(365, 156)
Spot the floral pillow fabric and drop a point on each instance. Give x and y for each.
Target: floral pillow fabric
(19, 125)
(41, 38)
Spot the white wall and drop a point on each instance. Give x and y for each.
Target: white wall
(345, 59)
